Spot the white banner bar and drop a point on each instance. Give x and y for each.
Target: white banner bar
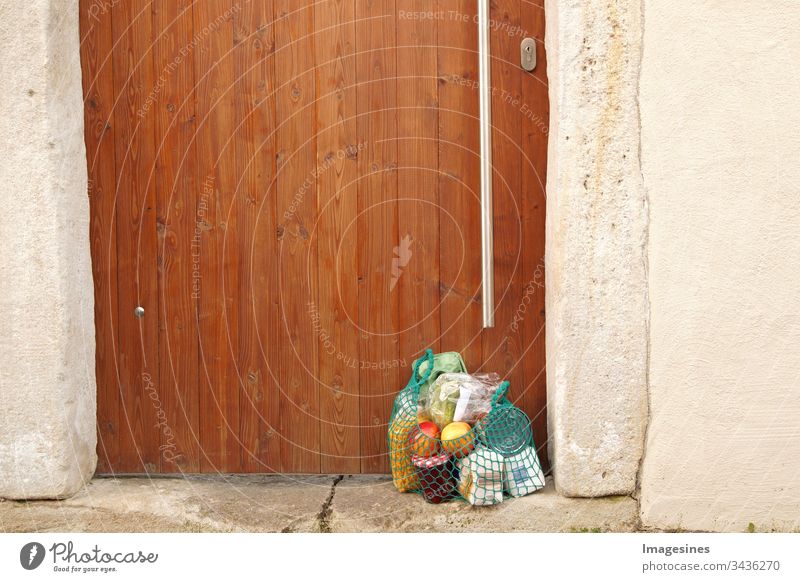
(400, 557)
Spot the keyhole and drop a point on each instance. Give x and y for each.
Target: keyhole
(528, 54)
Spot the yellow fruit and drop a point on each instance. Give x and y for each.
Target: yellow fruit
(458, 439)
(455, 430)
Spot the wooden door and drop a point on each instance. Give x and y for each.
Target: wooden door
(285, 214)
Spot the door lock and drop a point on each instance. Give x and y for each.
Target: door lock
(528, 54)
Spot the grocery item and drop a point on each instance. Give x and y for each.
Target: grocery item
(437, 477)
(427, 369)
(506, 430)
(404, 476)
(523, 473)
(458, 439)
(424, 439)
(443, 397)
(459, 397)
(477, 397)
(480, 479)
(480, 434)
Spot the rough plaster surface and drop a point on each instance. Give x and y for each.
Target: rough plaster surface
(719, 101)
(596, 244)
(47, 381)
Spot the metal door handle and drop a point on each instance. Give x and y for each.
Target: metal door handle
(487, 212)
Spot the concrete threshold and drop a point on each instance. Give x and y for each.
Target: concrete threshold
(298, 503)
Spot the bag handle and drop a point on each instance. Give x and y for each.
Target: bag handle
(427, 357)
(500, 394)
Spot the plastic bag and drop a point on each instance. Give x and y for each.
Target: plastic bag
(427, 369)
(480, 479)
(523, 473)
(459, 398)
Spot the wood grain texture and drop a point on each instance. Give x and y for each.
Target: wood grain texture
(297, 215)
(502, 346)
(415, 275)
(176, 204)
(535, 117)
(459, 183)
(217, 285)
(98, 89)
(378, 313)
(336, 230)
(256, 244)
(291, 190)
(136, 236)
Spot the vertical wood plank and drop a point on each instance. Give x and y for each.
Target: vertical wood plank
(98, 90)
(337, 233)
(459, 181)
(304, 177)
(378, 312)
(416, 276)
(257, 244)
(296, 211)
(216, 287)
(502, 349)
(177, 201)
(136, 236)
(535, 117)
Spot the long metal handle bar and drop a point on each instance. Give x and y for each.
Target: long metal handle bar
(487, 213)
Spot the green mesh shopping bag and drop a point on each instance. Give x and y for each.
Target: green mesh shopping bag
(453, 435)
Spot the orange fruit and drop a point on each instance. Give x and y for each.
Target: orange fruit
(424, 439)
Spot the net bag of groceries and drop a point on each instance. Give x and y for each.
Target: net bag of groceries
(456, 435)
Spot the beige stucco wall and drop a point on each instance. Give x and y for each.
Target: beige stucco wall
(47, 381)
(720, 110)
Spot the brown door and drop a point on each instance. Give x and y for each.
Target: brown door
(285, 213)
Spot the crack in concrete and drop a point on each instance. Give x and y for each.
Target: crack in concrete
(324, 515)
